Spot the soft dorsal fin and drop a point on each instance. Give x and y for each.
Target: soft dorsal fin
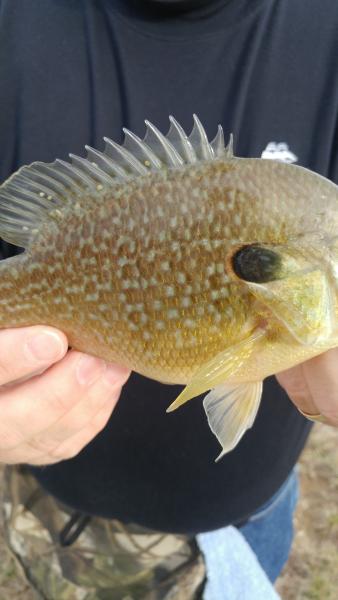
(37, 192)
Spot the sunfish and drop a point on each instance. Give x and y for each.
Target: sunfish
(173, 257)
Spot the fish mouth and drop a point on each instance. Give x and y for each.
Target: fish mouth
(256, 263)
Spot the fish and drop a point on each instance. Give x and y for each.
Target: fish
(179, 260)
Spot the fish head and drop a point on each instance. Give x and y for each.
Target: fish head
(284, 246)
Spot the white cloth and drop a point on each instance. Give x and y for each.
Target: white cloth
(233, 570)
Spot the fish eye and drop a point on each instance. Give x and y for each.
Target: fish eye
(256, 263)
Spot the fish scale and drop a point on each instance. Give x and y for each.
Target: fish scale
(134, 253)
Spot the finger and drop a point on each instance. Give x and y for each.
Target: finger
(103, 395)
(35, 405)
(75, 444)
(313, 386)
(27, 349)
(295, 384)
(322, 376)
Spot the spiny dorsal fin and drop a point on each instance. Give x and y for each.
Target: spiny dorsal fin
(141, 150)
(119, 155)
(35, 192)
(179, 139)
(199, 141)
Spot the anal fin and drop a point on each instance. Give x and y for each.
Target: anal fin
(231, 411)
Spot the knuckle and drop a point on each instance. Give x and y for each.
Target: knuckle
(63, 402)
(94, 402)
(85, 415)
(75, 421)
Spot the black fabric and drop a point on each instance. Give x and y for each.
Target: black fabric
(73, 71)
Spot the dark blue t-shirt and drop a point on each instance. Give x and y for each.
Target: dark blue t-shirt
(73, 71)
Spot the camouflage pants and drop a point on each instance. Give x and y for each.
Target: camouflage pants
(70, 556)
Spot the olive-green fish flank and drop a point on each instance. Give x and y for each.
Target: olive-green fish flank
(135, 260)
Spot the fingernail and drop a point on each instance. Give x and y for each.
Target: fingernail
(114, 373)
(44, 347)
(89, 369)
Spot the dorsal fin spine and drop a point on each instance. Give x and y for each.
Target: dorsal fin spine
(174, 158)
(199, 139)
(142, 147)
(126, 156)
(60, 180)
(29, 196)
(106, 163)
(76, 174)
(91, 169)
(229, 150)
(178, 136)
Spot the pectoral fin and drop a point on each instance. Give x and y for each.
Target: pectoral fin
(231, 411)
(218, 369)
(302, 302)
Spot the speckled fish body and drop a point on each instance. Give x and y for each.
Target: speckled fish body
(178, 260)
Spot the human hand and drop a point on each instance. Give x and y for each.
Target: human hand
(51, 416)
(313, 387)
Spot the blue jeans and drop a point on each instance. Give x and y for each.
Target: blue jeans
(269, 531)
